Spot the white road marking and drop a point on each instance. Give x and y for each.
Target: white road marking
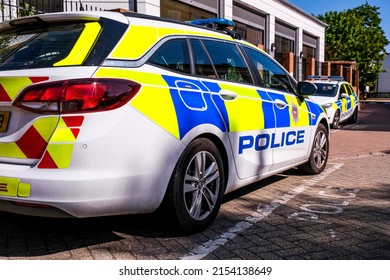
(255, 217)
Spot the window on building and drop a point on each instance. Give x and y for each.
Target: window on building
(309, 46)
(250, 34)
(283, 45)
(46, 6)
(249, 24)
(175, 9)
(309, 52)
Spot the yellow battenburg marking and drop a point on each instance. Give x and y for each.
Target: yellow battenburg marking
(343, 105)
(137, 41)
(13, 85)
(245, 112)
(46, 126)
(353, 100)
(62, 133)
(147, 36)
(143, 78)
(154, 103)
(61, 154)
(83, 45)
(158, 106)
(302, 115)
(162, 32)
(211, 35)
(11, 150)
(24, 190)
(9, 186)
(334, 106)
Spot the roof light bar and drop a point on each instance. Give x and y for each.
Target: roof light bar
(223, 24)
(220, 22)
(325, 78)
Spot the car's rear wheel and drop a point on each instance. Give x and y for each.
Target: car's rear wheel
(336, 120)
(319, 153)
(197, 185)
(354, 117)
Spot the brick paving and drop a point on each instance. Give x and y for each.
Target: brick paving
(344, 215)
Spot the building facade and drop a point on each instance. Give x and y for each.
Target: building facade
(383, 85)
(293, 37)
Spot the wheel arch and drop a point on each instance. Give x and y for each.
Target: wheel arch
(326, 124)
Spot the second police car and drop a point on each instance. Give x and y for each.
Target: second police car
(337, 97)
(109, 113)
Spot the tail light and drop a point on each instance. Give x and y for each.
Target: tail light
(76, 96)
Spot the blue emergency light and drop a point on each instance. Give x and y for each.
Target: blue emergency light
(324, 78)
(220, 22)
(223, 24)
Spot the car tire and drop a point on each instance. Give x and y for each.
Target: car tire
(197, 186)
(354, 116)
(319, 152)
(336, 120)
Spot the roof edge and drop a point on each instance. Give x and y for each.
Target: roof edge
(299, 10)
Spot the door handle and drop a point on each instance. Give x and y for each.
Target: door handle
(227, 94)
(280, 104)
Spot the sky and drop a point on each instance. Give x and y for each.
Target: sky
(318, 7)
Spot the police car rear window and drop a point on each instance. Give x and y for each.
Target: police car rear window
(173, 55)
(37, 48)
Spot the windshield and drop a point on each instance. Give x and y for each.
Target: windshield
(37, 48)
(326, 90)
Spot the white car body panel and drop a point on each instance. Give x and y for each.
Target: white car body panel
(120, 161)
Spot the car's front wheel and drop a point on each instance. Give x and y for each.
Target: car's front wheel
(319, 152)
(197, 185)
(336, 120)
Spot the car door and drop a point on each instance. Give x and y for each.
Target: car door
(345, 103)
(291, 138)
(247, 111)
(354, 98)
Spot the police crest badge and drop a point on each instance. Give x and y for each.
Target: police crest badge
(295, 113)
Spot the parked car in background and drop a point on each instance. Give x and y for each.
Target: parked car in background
(337, 97)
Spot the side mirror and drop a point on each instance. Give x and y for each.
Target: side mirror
(306, 88)
(344, 95)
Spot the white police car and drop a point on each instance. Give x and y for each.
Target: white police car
(337, 97)
(109, 113)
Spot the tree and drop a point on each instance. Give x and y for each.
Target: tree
(356, 35)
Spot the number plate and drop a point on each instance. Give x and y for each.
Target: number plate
(4, 118)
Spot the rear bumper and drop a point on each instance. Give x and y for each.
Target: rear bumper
(115, 168)
(8, 206)
(82, 197)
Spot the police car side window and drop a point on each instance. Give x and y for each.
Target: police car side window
(203, 66)
(342, 89)
(350, 90)
(173, 55)
(228, 61)
(271, 74)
